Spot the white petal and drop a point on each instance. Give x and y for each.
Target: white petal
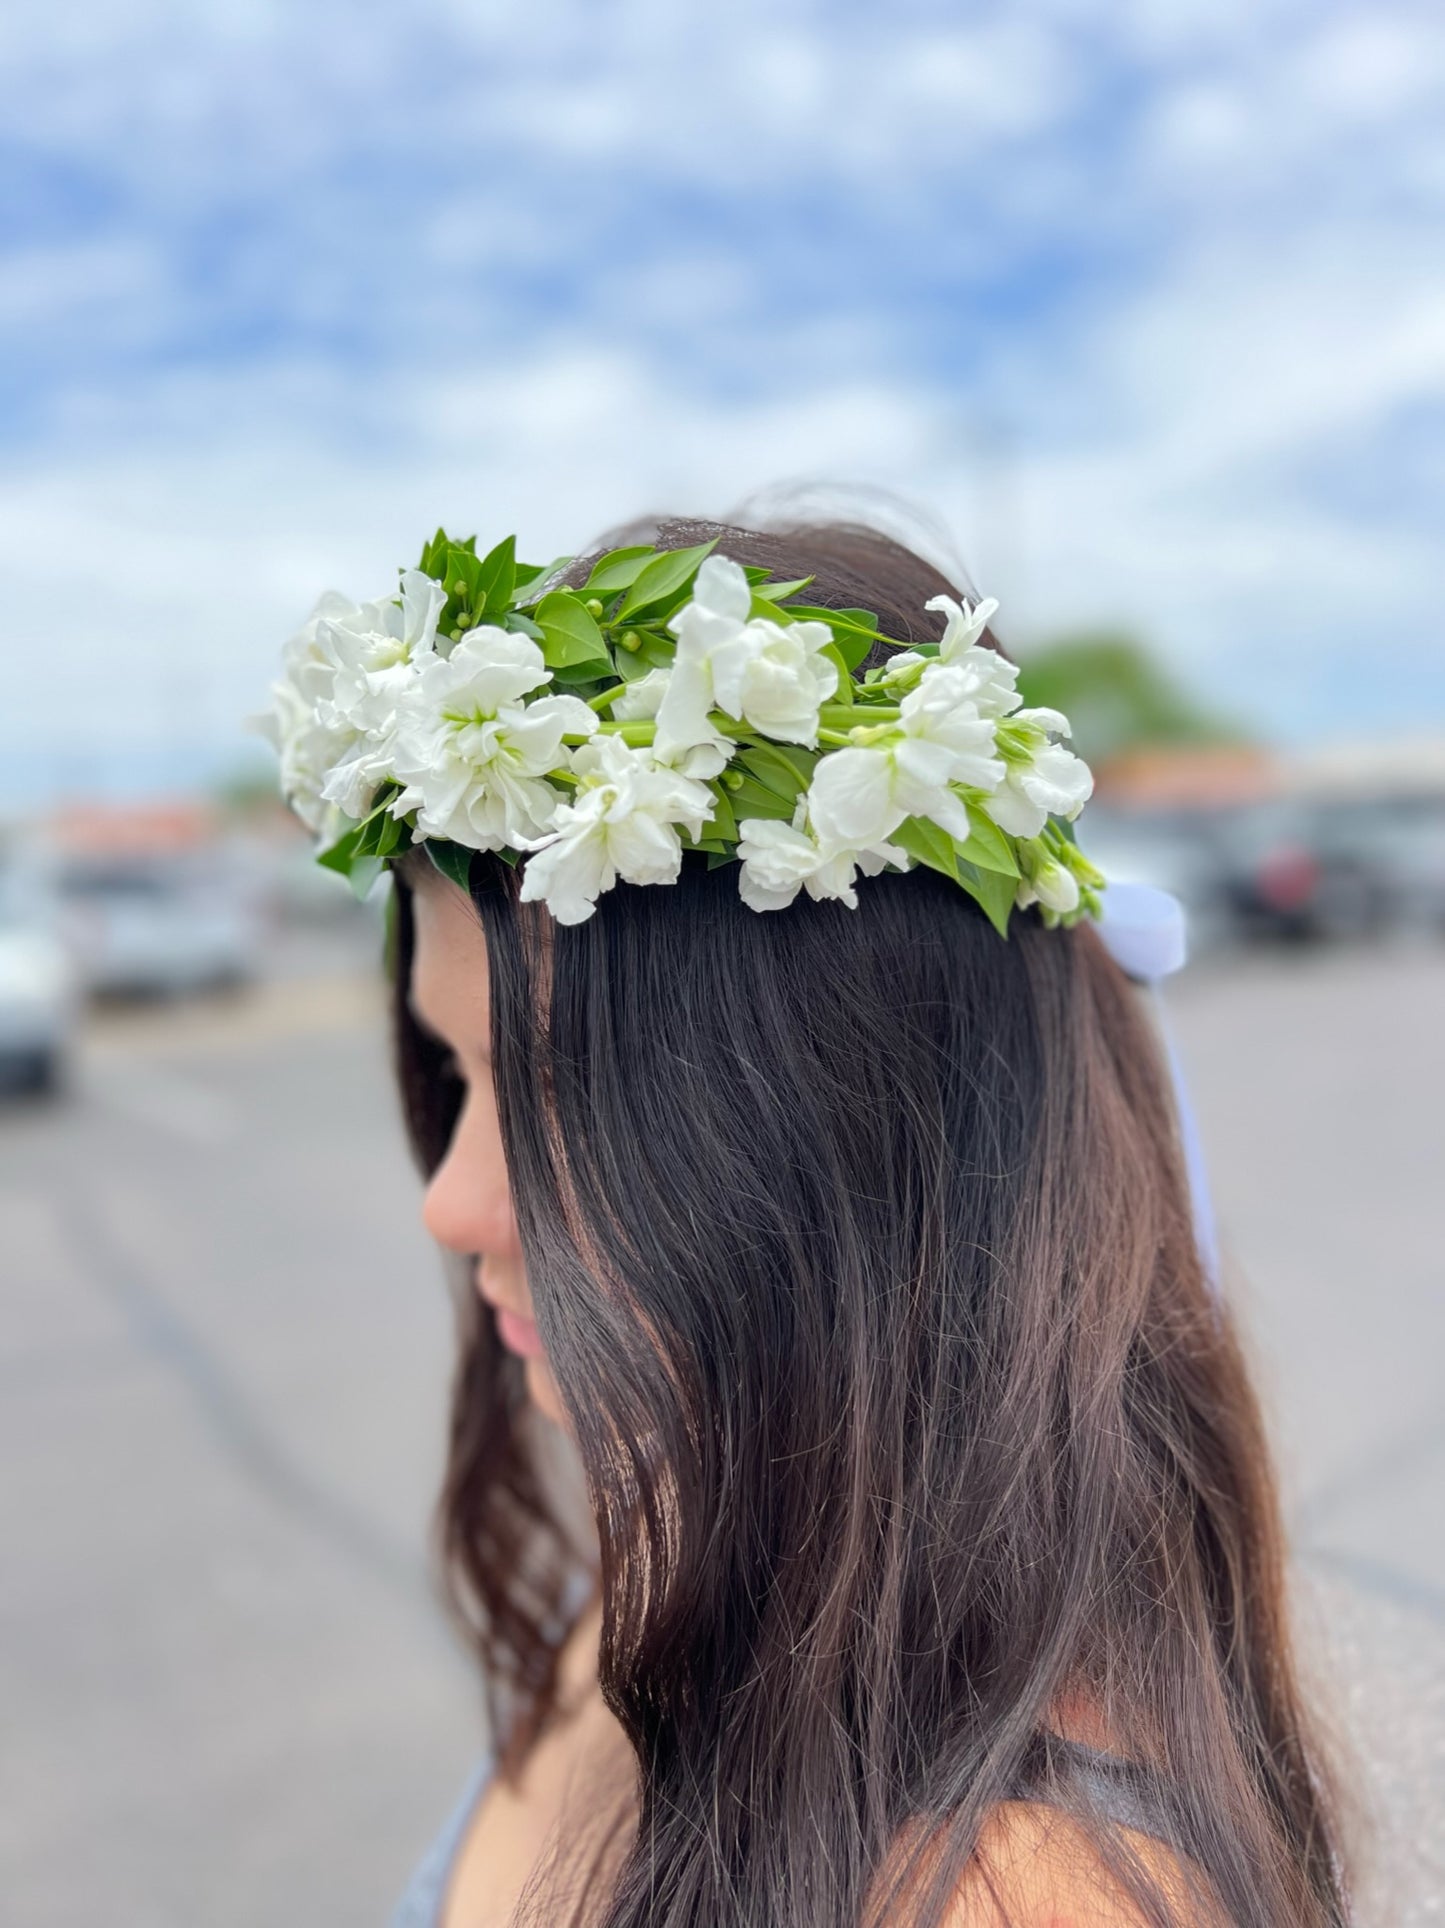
(682, 713)
(422, 602)
(1054, 887)
(641, 697)
(759, 890)
(850, 800)
(1058, 781)
(966, 623)
(644, 850)
(1054, 720)
(569, 874)
(1014, 811)
(721, 588)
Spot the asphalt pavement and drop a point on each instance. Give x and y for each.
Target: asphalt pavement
(229, 1695)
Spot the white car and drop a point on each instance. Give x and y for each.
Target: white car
(39, 995)
(152, 926)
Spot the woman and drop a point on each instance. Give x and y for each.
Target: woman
(930, 1569)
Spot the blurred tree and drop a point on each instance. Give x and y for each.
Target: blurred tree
(1118, 697)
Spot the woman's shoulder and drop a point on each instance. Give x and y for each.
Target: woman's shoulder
(1036, 1867)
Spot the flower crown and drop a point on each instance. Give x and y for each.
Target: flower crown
(675, 701)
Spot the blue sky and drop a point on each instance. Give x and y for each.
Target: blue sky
(1143, 305)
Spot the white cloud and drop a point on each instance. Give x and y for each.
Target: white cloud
(186, 566)
(1127, 295)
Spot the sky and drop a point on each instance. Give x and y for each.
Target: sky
(1137, 310)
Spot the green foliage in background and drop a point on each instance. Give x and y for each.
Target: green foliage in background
(1118, 697)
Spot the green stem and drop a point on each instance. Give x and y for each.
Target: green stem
(604, 698)
(845, 715)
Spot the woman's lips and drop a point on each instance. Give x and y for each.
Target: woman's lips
(518, 1334)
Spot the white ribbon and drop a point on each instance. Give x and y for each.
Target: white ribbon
(1144, 932)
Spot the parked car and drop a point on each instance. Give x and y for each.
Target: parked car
(159, 925)
(39, 1004)
(1398, 844)
(1291, 870)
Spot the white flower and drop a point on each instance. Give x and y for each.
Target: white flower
(1051, 885)
(774, 676)
(472, 754)
(859, 794)
(966, 623)
(770, 675)
(307, 747)
(1043, 777)
(642, 699)
(376, 650)
(992, 676)
(779, 859)
(619, 824)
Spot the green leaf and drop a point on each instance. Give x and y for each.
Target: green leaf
(722, 824)
(395, 835)
(345, 856)
(779, 767)
(845, 689)
(929, 843)
(363, 874)
(523, 625)
(462, 568)
(654, 652)
(716, 857)
(987, 845)
(570, 637)
(663, 576)
(374, 839)
(496, 577)
(453, 861)
(993, 891)
(774, 592)
(434, 555)
(632, 666)
(749, 798)
(529, 580)
(338, 856)
(618, 569)
(390, 936)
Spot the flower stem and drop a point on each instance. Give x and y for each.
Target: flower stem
(604, 698)
(845, 715)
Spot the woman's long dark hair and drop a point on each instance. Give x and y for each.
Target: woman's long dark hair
(860, 1243)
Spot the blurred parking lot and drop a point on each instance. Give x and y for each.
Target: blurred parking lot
(229, 1694)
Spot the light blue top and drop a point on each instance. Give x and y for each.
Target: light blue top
(421, 1905)
(1121, 1790)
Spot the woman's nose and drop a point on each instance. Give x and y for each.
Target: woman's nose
(468, 1207)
